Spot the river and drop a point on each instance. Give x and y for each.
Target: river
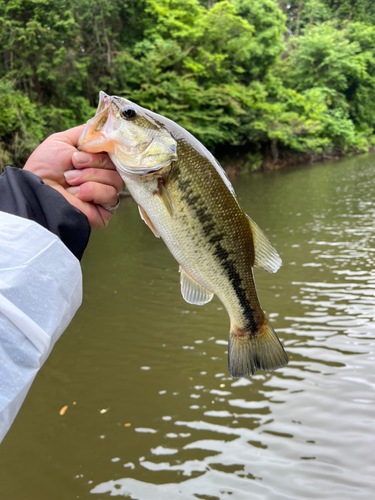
(152, 412)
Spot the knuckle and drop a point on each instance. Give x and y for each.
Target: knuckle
(54, 136)
(111, 193)
(98, 160)
(119, 182)
(88, 173)
(88, 189)
(102, 160)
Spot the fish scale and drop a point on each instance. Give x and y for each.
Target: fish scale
(221, 236)
(186, 199)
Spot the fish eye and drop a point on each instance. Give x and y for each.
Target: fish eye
(128, 113)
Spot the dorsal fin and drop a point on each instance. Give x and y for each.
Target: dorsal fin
(266, 256)
(193, 292)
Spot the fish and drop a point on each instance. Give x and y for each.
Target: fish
(186, 199)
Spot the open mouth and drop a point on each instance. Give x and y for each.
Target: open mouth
(104, 102)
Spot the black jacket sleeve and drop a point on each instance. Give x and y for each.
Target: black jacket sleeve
(25, 194)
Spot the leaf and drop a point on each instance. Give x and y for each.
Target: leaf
(63, 410)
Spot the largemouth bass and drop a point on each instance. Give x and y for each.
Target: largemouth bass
(185, 198)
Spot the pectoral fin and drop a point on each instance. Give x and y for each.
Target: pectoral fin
(145, 217)
(266, 256)
(193, 292)
(165, 196)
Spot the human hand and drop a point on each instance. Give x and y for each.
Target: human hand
(86, 180)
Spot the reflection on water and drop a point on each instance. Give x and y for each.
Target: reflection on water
(152, 412)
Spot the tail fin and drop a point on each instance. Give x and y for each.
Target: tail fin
(249, 352)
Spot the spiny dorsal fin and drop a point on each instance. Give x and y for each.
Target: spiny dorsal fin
(165, 196)
(145, 218)
(266, 256)
(193, 292)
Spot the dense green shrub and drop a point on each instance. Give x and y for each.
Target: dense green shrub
(259, 75)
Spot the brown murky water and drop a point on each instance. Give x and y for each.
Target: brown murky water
(152, 413)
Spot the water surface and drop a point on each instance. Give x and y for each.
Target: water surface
(152, 412)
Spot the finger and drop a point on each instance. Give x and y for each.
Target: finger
(98, 216)
(69, 136)
(100, 194)
(109, 177)
(97, 160)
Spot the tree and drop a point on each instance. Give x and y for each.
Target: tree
(340, 61)
(268, 24)
(21, 127)
(304, 13)
(238, 74)
(353, 10)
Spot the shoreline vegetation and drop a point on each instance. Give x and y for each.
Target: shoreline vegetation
(262, 83)
(239, 165)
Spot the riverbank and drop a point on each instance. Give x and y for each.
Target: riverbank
(236, 166)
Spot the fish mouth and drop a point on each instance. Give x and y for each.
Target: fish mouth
(93, 137)
(104, 101)
(98, 134)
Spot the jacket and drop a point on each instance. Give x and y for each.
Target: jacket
(42, 239)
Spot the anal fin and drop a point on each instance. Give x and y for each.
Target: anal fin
(192, 291)
(266, 256)
(145, 218)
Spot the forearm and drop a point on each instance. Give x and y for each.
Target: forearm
(41, 238)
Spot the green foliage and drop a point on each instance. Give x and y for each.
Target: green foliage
(304, 13)
(361, 93)
(210, 113)
(341, 63)
(301, 121)
(355, 10)
(268, 23)
(324, 57)
(216, 43)
(21, 127)
(261, 75)
(253, 162)
(223, 43)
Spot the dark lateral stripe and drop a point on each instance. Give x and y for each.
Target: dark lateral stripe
(215, 239)
(203, 215)
(229, 265)
(196, 204)
(209, 226)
